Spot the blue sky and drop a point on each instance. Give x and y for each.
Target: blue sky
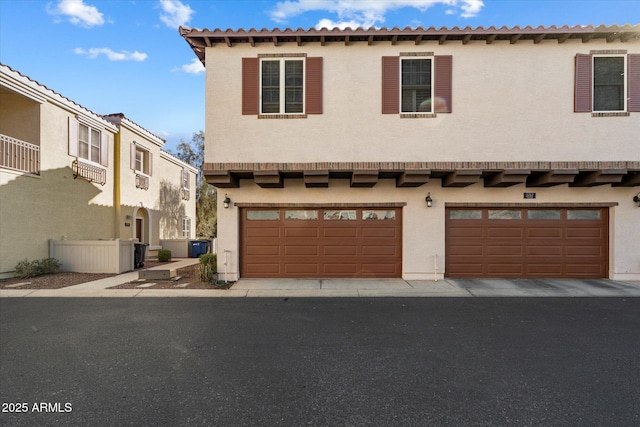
(125, 56)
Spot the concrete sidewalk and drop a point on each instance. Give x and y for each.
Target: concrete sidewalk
(350, 288)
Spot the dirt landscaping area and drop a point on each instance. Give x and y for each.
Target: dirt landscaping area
(189, 278)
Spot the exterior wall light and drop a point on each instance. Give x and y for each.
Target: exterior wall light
(636, 199)
(429, 200)
(227, 201)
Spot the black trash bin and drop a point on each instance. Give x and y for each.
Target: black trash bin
(198, 247)
(139, 254)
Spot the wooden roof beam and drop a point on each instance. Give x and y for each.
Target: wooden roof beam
(268, 179)
(316, 178)
(553, 177)
(507, 178)
(221, 179)
(413, 178)
(462, 178)
(364, 178)
(599, 177)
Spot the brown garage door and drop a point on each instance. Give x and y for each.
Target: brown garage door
(527, 242)
(332, 242)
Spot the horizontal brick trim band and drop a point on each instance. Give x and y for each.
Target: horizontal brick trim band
(530, 205)
(433, 166)
(321, 205)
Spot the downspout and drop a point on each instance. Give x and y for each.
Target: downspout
(116, 183)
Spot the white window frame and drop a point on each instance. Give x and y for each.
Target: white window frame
(186, 227)
(282, 92)
(404, 58)
(90, 143)
(144, 161)
(593, 86)
(185, 179)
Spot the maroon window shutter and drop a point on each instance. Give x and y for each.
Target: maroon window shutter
(104, 149)
(443, 77)
(250, 85)
(583, 84)
(73, 137)
(390, 85)
(314, 86)
(633, 83)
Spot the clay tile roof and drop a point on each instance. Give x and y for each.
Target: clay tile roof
(200, 39)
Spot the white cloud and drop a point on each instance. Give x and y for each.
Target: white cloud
(365, 13)
(77, 12)
(195, 67)
(175, 13)
(111, 55)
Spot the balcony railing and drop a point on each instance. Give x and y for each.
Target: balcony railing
(89, 172)
(19, 155)
(142, 181)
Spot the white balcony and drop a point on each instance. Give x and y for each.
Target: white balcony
(19, 155)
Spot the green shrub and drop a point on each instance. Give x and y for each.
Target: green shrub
(38, 267)
(208, 267)
(164, 255)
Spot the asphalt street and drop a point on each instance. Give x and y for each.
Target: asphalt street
(320, 362)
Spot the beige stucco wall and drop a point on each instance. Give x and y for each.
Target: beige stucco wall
(423, 233)
(35, 209)
(510, 103)
(161, 205)
(19, 117)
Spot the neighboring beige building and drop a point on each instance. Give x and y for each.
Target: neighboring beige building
(425, 153)
(66, 173)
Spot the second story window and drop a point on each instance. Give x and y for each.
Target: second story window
(141, 159)
(416, 85)
(609, 83)
(606, 83)
(282, 88)
(88, 143)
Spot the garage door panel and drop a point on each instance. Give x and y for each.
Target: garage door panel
(340, 250)
(379, 232)
(263, 232)
(377, 269)
(465, 250)
(544, 250)
(257, 268)
(544, 232)
(534, 244)
(504, 250)
(340, 232)
(379, 250)
(574, 232)
(504, 232)
(338, 268)
(505, 269)
(584, 250)
(297, 250)
(263, 250)
(307, 233)
(544, 270)
(301, 268)
(466, 232)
